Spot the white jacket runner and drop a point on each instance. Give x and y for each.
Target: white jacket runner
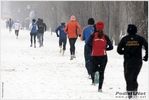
(17, 26)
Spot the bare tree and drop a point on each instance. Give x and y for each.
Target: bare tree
(115, 14)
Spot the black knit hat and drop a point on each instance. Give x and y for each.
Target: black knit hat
(132, 29)
(91, 21)
(34, 20)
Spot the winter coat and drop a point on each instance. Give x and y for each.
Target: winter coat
(41, 27)
(99, 46)
(71, 29)
(131, 47)
(10, 23)
(87, 32)
(61, 34)
(16, 26)
(31, 28)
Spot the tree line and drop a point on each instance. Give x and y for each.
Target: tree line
(115, 14)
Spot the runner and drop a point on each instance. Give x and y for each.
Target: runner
(99, 43)
(86, 33)
(33, 32)
(131, 47)
(71, 30)
(62, 37)
(17, 27)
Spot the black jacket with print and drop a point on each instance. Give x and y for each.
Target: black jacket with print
(131, 47)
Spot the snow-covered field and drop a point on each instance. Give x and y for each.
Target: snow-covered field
(43, 73)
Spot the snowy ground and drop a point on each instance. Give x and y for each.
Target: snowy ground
(43, 73)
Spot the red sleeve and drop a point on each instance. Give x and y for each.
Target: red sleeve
(66, 28)
(79, 28)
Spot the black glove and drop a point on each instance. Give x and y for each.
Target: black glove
(145, 58)
(57, 35)
(79, 35)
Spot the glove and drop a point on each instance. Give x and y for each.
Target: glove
(145, 58)
(57, 35)
(79, 35)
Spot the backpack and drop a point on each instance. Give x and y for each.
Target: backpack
(34, 29)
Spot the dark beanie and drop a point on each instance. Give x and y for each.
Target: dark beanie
(34, 20)
(91, 21)
(99, 25)
(132, 29)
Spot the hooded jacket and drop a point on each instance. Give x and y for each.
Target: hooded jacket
(41, 27)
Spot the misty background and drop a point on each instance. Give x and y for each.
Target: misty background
(115, 14)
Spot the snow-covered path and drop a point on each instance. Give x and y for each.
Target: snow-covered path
(43, 73)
